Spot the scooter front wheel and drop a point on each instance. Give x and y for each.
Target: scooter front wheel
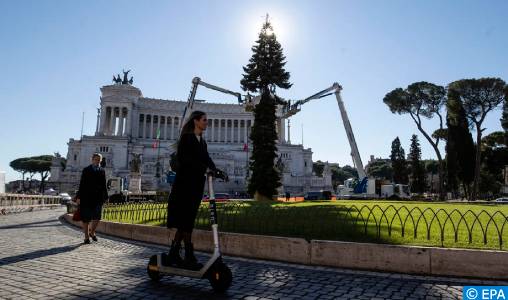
(153, 270)
(220, 277)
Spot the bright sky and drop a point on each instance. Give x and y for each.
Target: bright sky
(55, 55)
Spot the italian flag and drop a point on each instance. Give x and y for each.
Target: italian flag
(156, 143)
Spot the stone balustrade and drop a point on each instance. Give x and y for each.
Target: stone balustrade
(27, 200)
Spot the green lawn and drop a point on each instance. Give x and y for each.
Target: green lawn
(456, 225)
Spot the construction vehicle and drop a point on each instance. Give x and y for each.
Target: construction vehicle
(361, 186)
(397, 191)
(365, 187)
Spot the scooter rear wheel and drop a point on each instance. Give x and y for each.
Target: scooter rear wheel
(152, 269)
(220, 277)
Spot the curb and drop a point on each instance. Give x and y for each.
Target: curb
(484, 264)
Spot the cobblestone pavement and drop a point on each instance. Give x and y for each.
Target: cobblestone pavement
(43, 258)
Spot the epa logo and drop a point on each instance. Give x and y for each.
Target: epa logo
(485, 293)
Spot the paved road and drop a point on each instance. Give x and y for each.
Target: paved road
(43, 258)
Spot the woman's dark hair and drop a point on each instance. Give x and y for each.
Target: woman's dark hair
(188, 127)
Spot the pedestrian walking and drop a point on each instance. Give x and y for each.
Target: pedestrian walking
(91, 196)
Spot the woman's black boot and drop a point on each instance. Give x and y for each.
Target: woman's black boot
(174, 258)
(190, 262)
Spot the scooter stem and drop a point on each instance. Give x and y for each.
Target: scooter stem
(213, 213)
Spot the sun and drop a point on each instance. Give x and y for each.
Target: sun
(278, 22)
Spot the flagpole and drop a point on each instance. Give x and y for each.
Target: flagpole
(158, 172)
(157, 144)
(82, 123)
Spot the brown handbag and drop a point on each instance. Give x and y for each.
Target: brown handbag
(77, 215)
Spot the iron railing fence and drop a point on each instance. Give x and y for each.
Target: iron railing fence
(376, 223)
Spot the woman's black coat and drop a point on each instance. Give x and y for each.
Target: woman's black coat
(187, 191)
(92, 187)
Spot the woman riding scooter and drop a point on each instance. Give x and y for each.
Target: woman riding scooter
(192, 162)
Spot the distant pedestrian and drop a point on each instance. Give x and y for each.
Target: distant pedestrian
(288, 196)
(91, 196)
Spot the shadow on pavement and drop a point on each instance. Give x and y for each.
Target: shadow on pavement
(169, 287)
(33, 224)
(37, 254)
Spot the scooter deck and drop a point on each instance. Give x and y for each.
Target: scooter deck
(184, 272)
(180, 271)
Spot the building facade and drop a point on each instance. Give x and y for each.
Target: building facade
(130, 125)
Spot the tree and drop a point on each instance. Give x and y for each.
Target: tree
(318, 168)
(504, 118)
(265, 178)
(417, 166)
(460, 148)
(494, 140)
(339, 175)
(42, 165)
(19, 165)
(399, 165)
(432, 167)
(380, 169)
(32, 165)
(264, 72)
(265, 69)
(350, 170)
(479, 97)
(421, 99)
(494, 158)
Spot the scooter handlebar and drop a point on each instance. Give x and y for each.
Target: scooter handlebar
(219, 174)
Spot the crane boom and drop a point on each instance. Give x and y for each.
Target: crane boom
(196, 81)
(350, 136)
(294, 108)
(225, 91)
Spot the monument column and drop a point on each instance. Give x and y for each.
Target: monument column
(228, 131)
(120, 121)
(163, 127)
(158, 126)
(103, 119)
(226, 136)
(170, 127)
(212, 136)
(244, 131)
(98, 120)
(173, 128)
(128, 123)
(232, 130)
(238, 132)
(143, 126)
(289, 131)
(283, 131)
(177, 128)
(219, 131)
(150, 136)
(111, 130)
(166, 129)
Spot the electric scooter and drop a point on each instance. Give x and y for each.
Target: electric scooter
(215, 270)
